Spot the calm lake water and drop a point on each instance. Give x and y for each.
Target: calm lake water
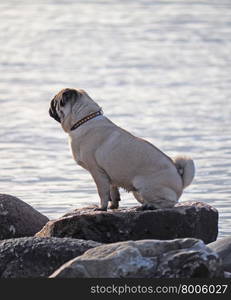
(160, 69)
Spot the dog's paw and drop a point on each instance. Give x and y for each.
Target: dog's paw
(99, 209)
(114, 206)
(146, 206)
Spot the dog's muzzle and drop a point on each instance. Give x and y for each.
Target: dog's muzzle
(53, 112)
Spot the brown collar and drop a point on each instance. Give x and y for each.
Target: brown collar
(85, 119)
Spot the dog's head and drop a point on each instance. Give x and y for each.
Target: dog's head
(69, 105)
(62, 103)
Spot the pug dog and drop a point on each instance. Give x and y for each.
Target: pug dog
(116, 158)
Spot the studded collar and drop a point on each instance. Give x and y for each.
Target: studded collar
(85, 119)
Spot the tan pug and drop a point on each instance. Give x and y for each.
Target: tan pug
(116, 158)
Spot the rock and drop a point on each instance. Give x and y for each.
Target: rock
(18, 219)
(188, 219)
(223, 248)
(31, 257)
(227, 275)
(179, 258)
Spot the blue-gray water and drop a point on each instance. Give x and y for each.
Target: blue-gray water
(160, 69)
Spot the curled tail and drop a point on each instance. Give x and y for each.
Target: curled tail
(186, 169)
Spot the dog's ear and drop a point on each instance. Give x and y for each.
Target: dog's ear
(69, 95)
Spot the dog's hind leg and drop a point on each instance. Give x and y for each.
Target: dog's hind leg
(115, 197)
(144, 206)
(154, 196)
(158, 198)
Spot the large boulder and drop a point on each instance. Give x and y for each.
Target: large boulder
(179, 258)
(223, 248)
(188, 219)
(31, 257)
(18, 219)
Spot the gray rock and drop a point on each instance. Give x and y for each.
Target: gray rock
(18, 219)
(227, 274)
(187, 219)
(223, 248)
(179, 258)
(31, 257)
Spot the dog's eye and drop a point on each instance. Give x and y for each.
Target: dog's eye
(62, 102)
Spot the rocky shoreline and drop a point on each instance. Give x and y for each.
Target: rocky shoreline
(180, 242)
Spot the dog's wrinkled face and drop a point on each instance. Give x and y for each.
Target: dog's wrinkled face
(70, 105)
(62, 103)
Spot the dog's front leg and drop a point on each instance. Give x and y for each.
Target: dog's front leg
(115, 197)
(103, 186)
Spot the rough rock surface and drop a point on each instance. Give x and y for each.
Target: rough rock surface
(179, 258)
(31, 257)
(18, 219)
(223, 248)
(186, 219)
(227, 274)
